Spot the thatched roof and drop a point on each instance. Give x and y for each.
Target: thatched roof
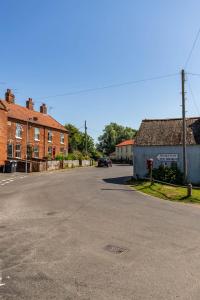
(167, 132)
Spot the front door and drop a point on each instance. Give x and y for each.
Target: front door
(54, 152)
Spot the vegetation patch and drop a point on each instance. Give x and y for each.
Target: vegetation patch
(166, 192)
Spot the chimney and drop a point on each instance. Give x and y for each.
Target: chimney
(9, 97)
(30, 104)
(43, 108)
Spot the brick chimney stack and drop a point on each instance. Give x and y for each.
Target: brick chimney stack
(9, 97)
(43, 109)
(30, 104)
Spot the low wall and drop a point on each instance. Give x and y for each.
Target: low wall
(71, 163)
(86, 163)
(39, 166)
(57, 165)
(51, 165)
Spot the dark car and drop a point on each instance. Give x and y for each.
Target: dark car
(104, 162)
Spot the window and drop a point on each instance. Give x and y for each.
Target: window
(18, 131)
(50, 151)
(62, 138)
(36, 151)
(10, 150)
(62, 150)
(18, 153)
(29, 151)
(37, 134)
(50, 136)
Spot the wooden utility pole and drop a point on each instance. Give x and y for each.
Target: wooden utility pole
(86, 150)
(184, 127)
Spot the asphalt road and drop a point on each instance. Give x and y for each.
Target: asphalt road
(82, 234)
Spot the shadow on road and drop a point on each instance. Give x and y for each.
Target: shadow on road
(117, 180)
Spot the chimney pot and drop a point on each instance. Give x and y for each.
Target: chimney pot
(43, 108)
(9, 96)
(30, 104)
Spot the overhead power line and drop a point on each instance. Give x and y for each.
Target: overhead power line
(193, 97)
(192, 49)
(193, 74)
(110, 86)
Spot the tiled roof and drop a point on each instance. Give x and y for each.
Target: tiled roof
(126, 143)
(168, 132)
(21, 113)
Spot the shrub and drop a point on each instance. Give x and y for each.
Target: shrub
(59, 157)
(168, 174)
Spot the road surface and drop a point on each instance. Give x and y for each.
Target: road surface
(82, 234)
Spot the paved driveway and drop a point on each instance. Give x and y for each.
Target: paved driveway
(82, 234)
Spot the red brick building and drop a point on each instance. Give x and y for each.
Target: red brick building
(24, 131)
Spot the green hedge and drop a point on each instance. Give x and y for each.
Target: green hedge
(168, 174)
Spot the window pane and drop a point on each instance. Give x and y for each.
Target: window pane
(18, 131)
(50, 151)
(18, 151)
(10, 150)
(50, 136)
(36, 151)
(62, 138)
(37, 134)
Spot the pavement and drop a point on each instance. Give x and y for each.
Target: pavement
(83, 234)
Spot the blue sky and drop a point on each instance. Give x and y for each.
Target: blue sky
(53, 47)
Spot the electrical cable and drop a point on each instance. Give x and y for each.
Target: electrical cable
(110, 86)
(192, 49)
(193, 97)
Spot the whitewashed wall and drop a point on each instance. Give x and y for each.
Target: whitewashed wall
(142, 153)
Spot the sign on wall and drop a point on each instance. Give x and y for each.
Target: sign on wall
(167, 157)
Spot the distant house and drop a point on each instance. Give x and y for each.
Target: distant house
(162, 141)
(25, 132)
(124, 151)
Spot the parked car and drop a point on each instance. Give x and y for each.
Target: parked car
(104, 162)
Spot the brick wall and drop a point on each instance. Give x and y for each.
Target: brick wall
(42, 143)
(3, 136)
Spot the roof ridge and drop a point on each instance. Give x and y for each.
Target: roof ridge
(22, 113)
(169, 119)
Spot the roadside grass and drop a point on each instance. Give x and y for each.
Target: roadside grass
(166, 192)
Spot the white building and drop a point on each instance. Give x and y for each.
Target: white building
(161, 140)
(124, 151)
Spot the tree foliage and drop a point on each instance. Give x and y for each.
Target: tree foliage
(77, 142)
(114, 134)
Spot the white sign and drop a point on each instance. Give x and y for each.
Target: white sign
(167, 157)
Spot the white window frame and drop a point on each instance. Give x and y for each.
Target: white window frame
(18, 132)
(18, 151)
(50, 153)
(62, 150)
(34, 152)
(36, 134)
(10, 144)
(50, 136)
(62, 138)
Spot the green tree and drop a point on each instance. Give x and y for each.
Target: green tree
(114, 134)
(77, 142)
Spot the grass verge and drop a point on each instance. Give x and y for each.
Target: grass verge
(166, 192)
